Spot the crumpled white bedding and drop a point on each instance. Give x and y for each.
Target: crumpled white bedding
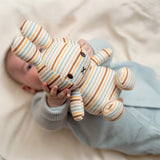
(132, 27)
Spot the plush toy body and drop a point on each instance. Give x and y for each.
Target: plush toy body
(93, 88)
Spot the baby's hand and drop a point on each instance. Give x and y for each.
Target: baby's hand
(86, 46)
(55, 98)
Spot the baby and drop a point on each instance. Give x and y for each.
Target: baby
(136, 132)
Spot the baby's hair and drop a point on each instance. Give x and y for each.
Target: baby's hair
(9, 51)
(6, 55)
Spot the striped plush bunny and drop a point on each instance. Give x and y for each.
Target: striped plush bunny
(63, 62)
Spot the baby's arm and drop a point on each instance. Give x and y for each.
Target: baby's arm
(50, 109)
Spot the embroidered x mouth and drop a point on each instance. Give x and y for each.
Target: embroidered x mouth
(85, 73)
(84, 69)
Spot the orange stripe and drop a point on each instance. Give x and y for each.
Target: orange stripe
(70, 86)
(106, 112)
(91, 73)
(41, 69)
(125, 77)
(100, 90)
(78, 112)
(37, 35)
(33, 34)
(61, 56)
(54, 81)
(98, 87)
(39, 66)
(23, 24)
(77, 64)
(19, 45)
(73, 64)
(80, 115)
(32, 56)
(112, 92)
(123, 74)
(39, 39)
(47, 51)
(118, 116)
(107, 53)
(64, 40)
(73, 100)
(48, 43)
(58, 55)
(81, 82)
(94, 61)
(22, 46)
(27, 28)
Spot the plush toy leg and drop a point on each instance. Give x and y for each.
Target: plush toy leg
(26, 50)
(125, 79)
(76, 104)
(36, 34)
(113, 110)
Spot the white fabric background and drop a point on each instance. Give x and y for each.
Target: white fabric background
(132, 27)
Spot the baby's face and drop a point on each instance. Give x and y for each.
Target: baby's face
(23, 72)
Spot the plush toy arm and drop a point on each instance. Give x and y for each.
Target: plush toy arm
(102, 56)
(76, 104)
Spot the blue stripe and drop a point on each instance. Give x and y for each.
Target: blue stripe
(64, 58)
(47, 37)
(80, 67)
(102, 95)
(23, 52)
(50, 55)
(48, 76)
(31, 30)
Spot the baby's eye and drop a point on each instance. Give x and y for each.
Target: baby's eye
(29, 67)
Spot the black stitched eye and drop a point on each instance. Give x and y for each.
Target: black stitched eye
(70, 76)
(82, 54)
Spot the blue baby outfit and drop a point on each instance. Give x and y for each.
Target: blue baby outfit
(136, 132)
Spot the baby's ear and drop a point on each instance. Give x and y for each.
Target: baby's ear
(36, 34)
(26, 50)
(28, 89)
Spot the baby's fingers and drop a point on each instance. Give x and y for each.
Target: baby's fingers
(45, 87)
(54, 91)
(63, 94)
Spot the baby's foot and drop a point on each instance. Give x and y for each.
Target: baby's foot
(86, 46)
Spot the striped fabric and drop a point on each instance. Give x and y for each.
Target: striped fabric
(64, 63)
(124, 79)
(35, 33)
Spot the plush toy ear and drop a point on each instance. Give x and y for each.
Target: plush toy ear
(36, 34)
(26, 50)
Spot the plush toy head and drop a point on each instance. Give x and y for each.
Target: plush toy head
(62, 62)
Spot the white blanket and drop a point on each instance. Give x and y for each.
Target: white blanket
(132, 27)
